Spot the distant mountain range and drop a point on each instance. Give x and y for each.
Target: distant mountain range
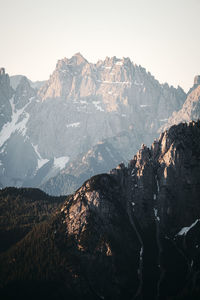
(46, 126)
(131, 234)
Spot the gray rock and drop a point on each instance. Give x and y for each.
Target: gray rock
(197, 80)
(23, 93)
(6, 93)
(15, 80)
(189, 111)
(81, 104)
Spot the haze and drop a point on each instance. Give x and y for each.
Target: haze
(162, 36)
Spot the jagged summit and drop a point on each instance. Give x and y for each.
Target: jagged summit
(189, 111)
(197, 80)
(81, 104)
(79, 57)
(114, 82)
(76, 59)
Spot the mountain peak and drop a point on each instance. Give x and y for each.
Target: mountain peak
(197, 80)
(78, 54)
(23, 93)
(24, 81)
(76, 59)
(2, 71)
(79, 59)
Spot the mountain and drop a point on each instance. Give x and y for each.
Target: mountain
(15, 81)
(81, 104)
(190, 109)
(196, 83)
(130, 234)
(101, 158)
(6, 93)
(20, 161)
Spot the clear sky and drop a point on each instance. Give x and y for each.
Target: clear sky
(161, 35)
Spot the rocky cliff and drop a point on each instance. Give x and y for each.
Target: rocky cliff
(6, 93)
(190, 109)
(130, 234)
(81, 104)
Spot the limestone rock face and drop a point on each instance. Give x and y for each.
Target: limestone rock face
(81, 104)
(158, 193)
(130, 234)
(189, 111)
(97, 101)
(197, 80)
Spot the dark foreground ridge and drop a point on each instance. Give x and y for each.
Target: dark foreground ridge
(130, 234)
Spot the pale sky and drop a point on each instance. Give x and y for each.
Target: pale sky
(161, 35)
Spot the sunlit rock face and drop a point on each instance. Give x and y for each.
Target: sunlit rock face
(157, 195)
(81, 104)
(113, 85)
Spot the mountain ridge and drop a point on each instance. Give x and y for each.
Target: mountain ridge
(80, 105)
(133, 233)
(190, 109)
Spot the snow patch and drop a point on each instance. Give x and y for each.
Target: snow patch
(144, 105)
(141, 252)
(138, 83)
(60, 162)
(114, 82)
(77, 124)
(157, 184)
(98, 107)
(83, 102)
(3, 149)
(156, 214)
(15, 124)
(185, 230)
(41, 161)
